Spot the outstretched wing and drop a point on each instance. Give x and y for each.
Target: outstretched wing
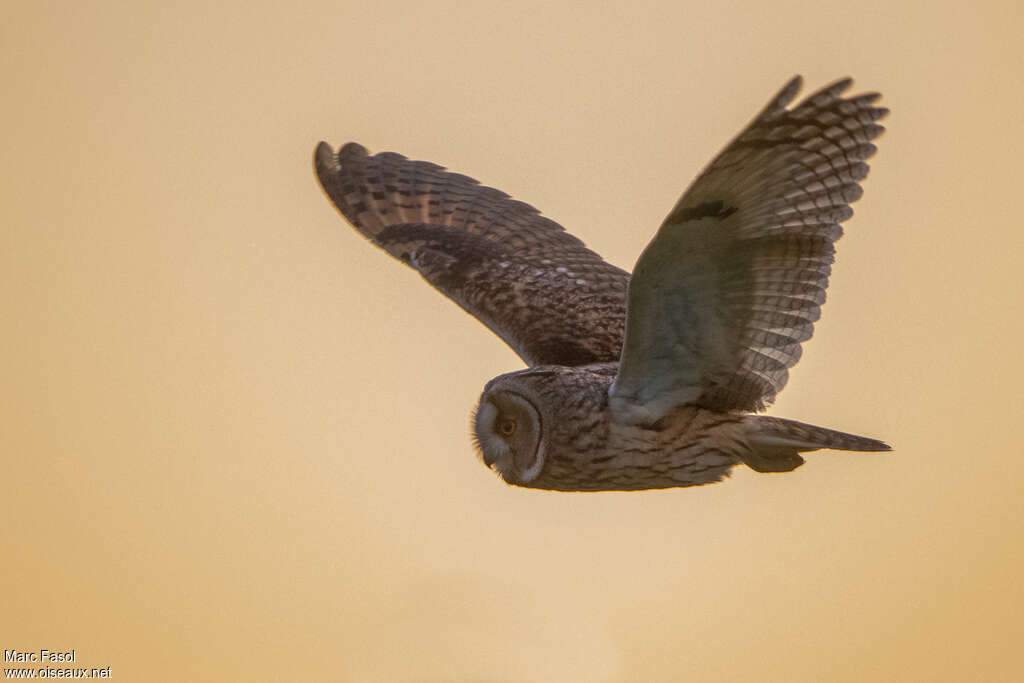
(536, 286)
(733, 282)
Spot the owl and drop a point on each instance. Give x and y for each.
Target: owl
(652, 379)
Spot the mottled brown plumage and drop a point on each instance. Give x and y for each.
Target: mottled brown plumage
(650, 387)
(536, 286)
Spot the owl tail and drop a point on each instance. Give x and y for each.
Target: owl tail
(776, 443)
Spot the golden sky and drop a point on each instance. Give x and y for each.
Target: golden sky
(235, 435)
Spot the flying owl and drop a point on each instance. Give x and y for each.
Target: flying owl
(649, 380)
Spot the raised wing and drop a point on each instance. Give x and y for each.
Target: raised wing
(536, 286)
(733, 282)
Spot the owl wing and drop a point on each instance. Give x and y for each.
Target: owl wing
(723, 296)
(534, 285)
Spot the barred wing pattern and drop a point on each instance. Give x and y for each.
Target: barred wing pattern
(536, 286)
(732, 284)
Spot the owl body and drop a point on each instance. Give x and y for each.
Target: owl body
(589, 447)
(651, 379)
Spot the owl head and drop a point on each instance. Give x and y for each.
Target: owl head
(525, 417)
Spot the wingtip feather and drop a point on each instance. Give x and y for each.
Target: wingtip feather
(324, 158)
(351, 150)
(788, 92)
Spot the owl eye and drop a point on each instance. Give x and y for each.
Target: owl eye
(506, 426)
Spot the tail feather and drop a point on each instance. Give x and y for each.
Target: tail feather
(776, 443)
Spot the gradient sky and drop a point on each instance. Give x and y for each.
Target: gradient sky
(235, 435)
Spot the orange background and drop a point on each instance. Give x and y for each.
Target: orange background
(234, 439)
